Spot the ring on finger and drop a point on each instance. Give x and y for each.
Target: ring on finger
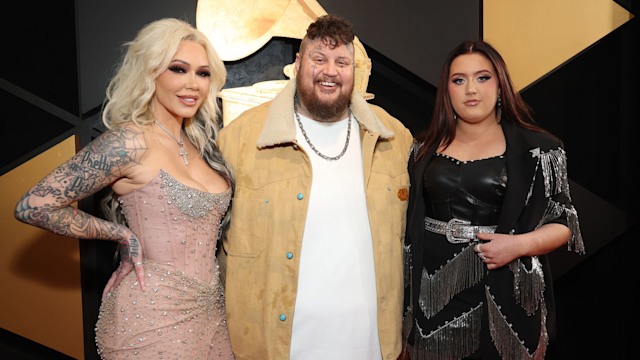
(138, 263)
(481, 255)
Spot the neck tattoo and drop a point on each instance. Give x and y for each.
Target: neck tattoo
(304, 133)
(182, 152)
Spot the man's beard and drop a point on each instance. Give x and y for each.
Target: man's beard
(321, 110)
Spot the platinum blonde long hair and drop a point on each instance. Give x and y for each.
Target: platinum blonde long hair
(131, 90)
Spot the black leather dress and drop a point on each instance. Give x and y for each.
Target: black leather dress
(452, 287)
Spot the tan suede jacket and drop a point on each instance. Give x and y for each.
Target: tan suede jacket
(269, 207)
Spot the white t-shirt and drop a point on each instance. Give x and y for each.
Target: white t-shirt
(335, 314)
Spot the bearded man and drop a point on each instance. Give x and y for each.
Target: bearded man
(314, 253)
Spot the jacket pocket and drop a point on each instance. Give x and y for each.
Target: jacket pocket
(249, 215)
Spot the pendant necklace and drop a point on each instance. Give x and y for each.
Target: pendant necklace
(304, 133)
(182, 152)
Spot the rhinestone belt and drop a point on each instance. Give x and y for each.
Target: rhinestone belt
(456, 231)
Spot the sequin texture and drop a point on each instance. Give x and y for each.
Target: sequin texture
(181, 314)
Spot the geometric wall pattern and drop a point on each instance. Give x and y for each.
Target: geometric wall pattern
(537, 37)
(550, 48)
(584, 93)
(575, 61)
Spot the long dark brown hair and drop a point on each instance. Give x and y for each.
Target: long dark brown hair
(442, 128)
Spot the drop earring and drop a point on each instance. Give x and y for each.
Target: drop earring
(499, 106)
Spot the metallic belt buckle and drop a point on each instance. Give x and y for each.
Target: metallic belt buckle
(449, 231)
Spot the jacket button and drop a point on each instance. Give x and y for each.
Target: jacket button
(282, 317)
(300, 196)
(289, 255)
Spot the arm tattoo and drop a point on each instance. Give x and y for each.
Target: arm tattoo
(134, 246)
(103, 161)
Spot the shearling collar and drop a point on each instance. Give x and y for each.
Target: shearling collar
(280, 127)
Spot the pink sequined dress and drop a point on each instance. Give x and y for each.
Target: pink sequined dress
(181, 315)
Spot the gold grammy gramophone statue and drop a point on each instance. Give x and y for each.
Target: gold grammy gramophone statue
(238, 28)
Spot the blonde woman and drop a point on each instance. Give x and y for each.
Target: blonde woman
(160, 158)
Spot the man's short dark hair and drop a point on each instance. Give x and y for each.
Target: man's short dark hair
(332, 29)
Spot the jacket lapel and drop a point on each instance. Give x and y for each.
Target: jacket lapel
(521, 168)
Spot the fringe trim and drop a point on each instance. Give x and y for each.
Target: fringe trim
(556, 180)
(454, 340)
(463, 271)
(528, 285)
(506, 340)
(553, 211)
(575, 243)
(554, 170)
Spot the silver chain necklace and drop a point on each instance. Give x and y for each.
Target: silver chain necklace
(304, 133)
(182, 152)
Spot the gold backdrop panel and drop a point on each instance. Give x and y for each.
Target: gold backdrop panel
(40, 294)
(535, 37)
